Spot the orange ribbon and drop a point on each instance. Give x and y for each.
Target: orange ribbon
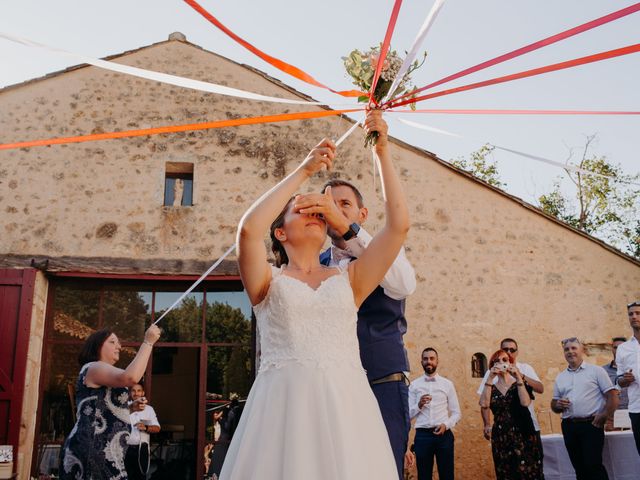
(285, 117)
(279, 64)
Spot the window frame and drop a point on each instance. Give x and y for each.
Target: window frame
(146, 283)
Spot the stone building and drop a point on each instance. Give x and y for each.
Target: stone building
(109, 233)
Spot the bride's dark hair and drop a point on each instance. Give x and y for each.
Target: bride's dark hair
(276, 246)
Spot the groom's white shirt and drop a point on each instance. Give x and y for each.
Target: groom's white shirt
(400, 280)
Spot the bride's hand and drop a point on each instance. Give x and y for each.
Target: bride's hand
(321, 155)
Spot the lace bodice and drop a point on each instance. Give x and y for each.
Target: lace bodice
(297, 323)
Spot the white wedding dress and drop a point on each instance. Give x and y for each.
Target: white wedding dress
(310, 414)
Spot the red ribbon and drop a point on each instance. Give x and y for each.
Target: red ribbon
(279, 64)
(528, 73)
(285, 117)
(384, 48)
(534, 46)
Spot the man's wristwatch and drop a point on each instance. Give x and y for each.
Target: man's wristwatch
(354, 228)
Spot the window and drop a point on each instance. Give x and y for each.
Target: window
(478, 365)
(205, 358)
(178, 184)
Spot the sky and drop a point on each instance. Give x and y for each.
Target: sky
(315, 35)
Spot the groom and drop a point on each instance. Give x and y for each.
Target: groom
(381, 321)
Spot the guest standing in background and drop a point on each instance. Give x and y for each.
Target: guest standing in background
(433, 402)
(628, 362)
(515, 444)
(585, 397)
(95, 448)
(143, 422)
(612, 370)
(530, 377)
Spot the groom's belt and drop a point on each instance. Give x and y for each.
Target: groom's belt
(394, 377)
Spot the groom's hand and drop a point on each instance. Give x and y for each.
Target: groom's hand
(323, 204)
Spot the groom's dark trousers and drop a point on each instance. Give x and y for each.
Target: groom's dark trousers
(392, 397)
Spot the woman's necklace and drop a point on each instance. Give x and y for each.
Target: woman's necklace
(306, 270)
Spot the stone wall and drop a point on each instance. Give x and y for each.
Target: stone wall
(488, 265)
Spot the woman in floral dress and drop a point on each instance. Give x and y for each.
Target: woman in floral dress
(96, 446)
(516, 448)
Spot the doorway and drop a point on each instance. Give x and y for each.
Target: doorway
(204, 362)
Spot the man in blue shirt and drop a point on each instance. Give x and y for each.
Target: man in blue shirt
(585, 397)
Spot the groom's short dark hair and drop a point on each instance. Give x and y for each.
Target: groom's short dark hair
(336, 182)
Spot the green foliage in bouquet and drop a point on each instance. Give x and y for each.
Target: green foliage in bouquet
(361, 67)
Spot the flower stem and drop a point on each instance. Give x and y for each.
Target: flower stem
(371, 139)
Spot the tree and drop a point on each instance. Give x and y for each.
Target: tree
(605, 205)
(479, 167)
(633, 236)
(184, 322)
(226, 324)
(228, 366)
(237, 374)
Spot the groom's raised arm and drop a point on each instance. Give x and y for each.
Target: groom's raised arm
(400, 280)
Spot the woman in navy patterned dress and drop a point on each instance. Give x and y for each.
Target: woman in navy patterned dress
(95, 448)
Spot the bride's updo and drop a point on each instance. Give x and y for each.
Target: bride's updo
(277, 248)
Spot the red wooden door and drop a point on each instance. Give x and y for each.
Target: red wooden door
(16, 300)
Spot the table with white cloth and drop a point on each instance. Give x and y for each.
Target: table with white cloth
(619, 456)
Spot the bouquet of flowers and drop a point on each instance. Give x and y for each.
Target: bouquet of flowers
(361, 67)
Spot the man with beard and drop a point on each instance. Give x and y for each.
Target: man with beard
(433, 402)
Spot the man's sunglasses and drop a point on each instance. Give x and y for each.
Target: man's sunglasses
(570, 340)
(634, 304)
(510, 350)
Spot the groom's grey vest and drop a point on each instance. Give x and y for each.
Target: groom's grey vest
(381, 326)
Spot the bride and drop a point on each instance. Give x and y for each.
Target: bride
(311, 414)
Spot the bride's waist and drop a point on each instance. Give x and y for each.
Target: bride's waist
(342, 362)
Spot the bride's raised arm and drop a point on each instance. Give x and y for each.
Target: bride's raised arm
(252, 255)
(368, 270)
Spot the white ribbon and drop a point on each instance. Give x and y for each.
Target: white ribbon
(517, 152)
(417, 43)
(197, 282)
(163, 77)
(347, 133)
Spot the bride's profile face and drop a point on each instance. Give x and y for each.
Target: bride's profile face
(302, 227)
